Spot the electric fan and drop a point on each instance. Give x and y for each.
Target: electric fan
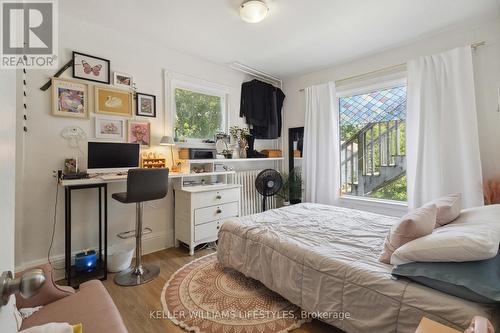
(268, 183)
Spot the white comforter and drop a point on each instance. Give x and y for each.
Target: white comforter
(325, 260)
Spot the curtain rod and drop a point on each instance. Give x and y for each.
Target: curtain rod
(474, 46)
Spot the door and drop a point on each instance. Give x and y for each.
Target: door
(7, 187)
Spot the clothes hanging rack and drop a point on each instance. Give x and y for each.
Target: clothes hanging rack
(474, 46)
(263, 76)
(275, 81)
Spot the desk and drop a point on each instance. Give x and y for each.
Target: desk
(75, 278)
(97, 180)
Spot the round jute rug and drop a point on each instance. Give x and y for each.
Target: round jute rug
(204, 297)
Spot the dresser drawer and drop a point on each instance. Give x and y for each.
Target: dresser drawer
(210, 198)
(206, 231)
(212, 213)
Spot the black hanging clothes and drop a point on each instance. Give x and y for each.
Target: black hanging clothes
(261, 105)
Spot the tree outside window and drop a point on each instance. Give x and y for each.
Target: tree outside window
(198, 115)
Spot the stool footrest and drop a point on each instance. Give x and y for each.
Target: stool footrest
(131, 233)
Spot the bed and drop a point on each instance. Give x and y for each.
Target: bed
(325, 260)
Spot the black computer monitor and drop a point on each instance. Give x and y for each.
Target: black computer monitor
(112, 157)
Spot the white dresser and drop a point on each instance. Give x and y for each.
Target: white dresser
(200, 211)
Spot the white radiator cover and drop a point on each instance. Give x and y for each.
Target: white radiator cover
(251, 200)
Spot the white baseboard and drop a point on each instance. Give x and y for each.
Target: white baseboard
(153, 242)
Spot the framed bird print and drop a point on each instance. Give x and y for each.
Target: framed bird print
(114, 102)
(91, 68)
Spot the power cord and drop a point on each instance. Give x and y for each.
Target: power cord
(206, 246)
(54, 227)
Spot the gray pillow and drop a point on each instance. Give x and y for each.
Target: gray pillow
(477, 281)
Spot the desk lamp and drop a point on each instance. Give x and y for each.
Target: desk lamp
(169, 141)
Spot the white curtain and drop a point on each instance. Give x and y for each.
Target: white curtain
(442, 133)
(320, 163)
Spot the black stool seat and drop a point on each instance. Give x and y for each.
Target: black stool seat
(144, 185)
(122, 197)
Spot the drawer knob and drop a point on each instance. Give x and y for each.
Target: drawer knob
(218, 211)
(218, 197)
(218, 227)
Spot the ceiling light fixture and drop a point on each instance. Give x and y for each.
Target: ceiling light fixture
(253, 11)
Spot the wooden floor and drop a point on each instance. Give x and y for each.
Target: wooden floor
(136, 303)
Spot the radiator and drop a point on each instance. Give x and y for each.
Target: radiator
(251, 200)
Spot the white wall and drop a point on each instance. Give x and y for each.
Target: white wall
(45, 149)
(487, 77)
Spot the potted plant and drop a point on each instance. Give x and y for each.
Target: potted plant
(295, 186)
(240, 135)
(291, 191)
(284, 192)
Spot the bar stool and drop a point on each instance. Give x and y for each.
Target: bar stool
(142, 185)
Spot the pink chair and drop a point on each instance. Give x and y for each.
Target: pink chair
(91, 306)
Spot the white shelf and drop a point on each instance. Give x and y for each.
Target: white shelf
(234, 160)
(181, 145)
(199, 174)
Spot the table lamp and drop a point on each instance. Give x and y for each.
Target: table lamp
(169, 141)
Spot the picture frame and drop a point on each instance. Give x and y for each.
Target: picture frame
(69, 99)
(145, 105)
(115, 102)
(110, 128)
(91, 68)
(70, 166)
(139, 132)
(123, 80)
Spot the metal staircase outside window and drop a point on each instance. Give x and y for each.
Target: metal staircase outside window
(372, 130)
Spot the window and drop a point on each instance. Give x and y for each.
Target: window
(372, 143)
(199, 109)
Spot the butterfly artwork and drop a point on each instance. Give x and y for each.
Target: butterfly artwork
(91, 68)
(87, 69)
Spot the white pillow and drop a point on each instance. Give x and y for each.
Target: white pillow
(448, 208)
(474, 235)
(50, 328)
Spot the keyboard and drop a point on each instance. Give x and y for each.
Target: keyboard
(112, 177)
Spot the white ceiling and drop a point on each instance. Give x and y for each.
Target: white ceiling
(296, 37)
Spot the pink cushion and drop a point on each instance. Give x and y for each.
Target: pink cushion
(448, 208)
(413, 225)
